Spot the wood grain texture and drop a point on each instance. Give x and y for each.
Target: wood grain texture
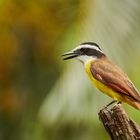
(118, 125)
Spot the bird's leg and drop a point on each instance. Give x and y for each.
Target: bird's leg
(114, 101)
(119, 103)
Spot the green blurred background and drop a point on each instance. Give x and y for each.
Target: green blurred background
(45, 98)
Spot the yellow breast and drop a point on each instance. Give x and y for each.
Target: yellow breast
(105, 89)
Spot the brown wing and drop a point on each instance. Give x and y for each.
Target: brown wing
(112, 76)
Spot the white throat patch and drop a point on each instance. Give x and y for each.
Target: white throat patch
(85, 58)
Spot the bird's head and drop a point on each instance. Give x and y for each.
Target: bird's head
(84, 52)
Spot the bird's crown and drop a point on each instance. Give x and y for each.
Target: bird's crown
(89, 49)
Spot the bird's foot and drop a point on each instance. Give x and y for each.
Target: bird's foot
(119, 102)
(114, 101)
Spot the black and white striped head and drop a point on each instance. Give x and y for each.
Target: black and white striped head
(85, 51)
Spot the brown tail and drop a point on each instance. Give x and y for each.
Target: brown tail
(135, 104)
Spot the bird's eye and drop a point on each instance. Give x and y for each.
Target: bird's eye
(83, 50)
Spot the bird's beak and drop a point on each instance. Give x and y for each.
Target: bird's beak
(69, 55)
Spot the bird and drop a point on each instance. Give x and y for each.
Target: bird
(105, 75)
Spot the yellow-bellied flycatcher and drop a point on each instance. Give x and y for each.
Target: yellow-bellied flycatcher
(105, 75)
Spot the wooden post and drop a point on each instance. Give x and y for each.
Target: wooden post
(118, 125)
